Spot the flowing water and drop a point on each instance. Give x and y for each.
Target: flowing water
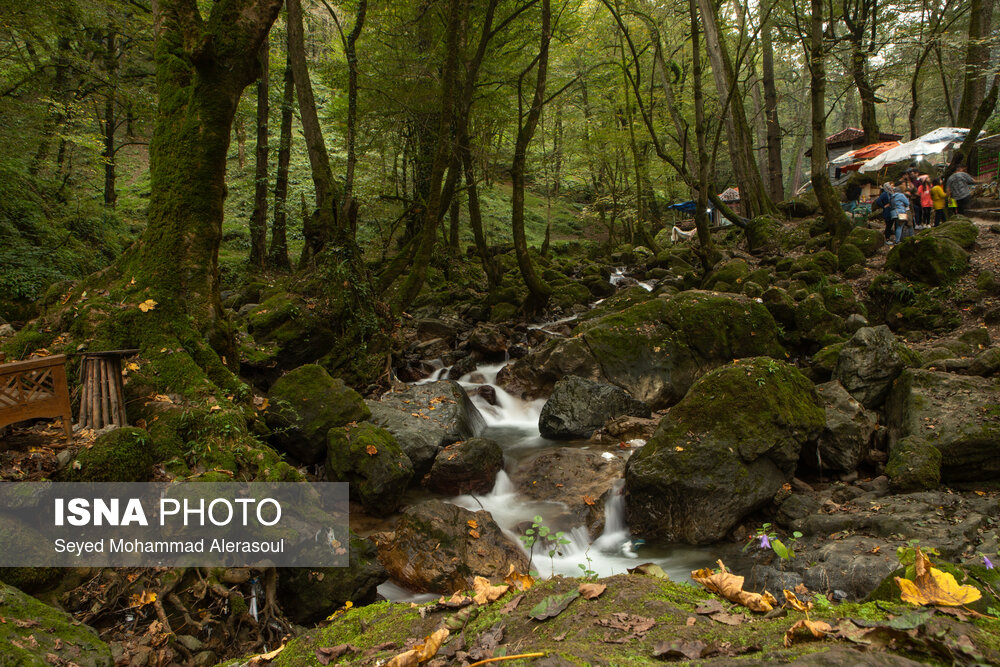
(513, 423)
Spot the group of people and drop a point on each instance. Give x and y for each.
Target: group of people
(915, 199)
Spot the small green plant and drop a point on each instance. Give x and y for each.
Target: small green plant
(539, 531)
(767, 538)
(585, 570)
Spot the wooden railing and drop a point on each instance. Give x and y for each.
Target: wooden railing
(35, 388)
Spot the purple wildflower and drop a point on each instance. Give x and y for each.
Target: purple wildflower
(988, 563)
(764, 542)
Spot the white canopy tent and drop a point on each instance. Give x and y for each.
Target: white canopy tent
(933, 143)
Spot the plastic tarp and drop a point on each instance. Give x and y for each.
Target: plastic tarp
(932, 143)
(684, 206)
(863, 154)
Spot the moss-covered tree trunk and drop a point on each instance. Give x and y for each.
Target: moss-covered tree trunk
(832, 213)
(277, 253)
(538, 288)
(258, 219)
(202, 66)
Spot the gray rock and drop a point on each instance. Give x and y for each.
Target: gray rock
(855, 321)
(467, 466)
(986, 363)
(6, 330)
(578, 407)
(868, 364)
(424, 418)
(959, 415)
(849, 427)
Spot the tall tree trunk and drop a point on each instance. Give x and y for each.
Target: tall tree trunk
(258, 219)
(775, 180)
(859, 71)
(832, 213)
(321, 227)
(475, 214)
(350, 51)
(277, 254)
(110, 119)
(983, 113)
(977, 61)
(701, 220)
(538, 289)
(202, 67)
(443, 154)
(753, 195)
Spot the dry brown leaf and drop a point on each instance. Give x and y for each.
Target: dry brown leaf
(372, 451)
(591, 591)
(471, 523)
(730, 586)
(932, 586)
(421, 653)
(487, 592)
(261, 658)
(144, 598)
(817, 629)
(474, 534)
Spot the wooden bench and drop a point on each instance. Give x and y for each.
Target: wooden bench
(35, 388)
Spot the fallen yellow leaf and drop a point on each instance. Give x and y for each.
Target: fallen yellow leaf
(487, 592)
(730, 586)
(796, 603)
(147, 305)
(372, 451)
(421, 653)
(817, 629)
(932, 586)
(521, 582)
(144, 598)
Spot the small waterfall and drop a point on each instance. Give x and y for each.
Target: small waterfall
(618, 278)
(509, 410)
(440, 372)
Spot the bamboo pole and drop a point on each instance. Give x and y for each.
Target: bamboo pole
(105, 408)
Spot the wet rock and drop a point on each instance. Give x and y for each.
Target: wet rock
(308, 595)
(868, 364)
(438, 328)
(56, 638)
(577, 478)
(957, 415)
(371, 461)
(722, 452)
(654, 349)
(578, 407)
(432, 549)
(424, 418)
(624, 429)
(468, 466)
(292, 333)
(306, 403)
(936, 256)
(855, 321)
(488, 341)
(845, 440)
(488, 392)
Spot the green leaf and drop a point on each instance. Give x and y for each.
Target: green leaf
(553, 605)
(783, 552)
(650, 569)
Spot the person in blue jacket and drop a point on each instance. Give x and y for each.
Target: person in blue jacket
(884, 202)
(902, 213)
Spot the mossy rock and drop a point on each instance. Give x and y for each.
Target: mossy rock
(914, 465)
(372, 462)
(853, 272)
(824, 361)
(818, 227)
(503, 312)
(765, 234)
(839, 299)
(935, 260)
(569, 294)
(662, 237)
(122, 455)
(599, 286)
(849, 255)
(815, 323)
(308, 594)
(802, 206)
(722, 452)
(47, 636)
(959, 229)
(867, 240)
(30, 579)
(730, 273)
(781, 306)
(306, 403)
(826, 260)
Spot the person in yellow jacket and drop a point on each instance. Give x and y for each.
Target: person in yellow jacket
(939, 199)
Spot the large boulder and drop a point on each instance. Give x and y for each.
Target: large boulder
(956, 414)
(727, 276)
(655, 349)
(370, 459)
(578, 407)
(34, 633)
(440, 548)
(424, 418)
(868, 363)
(845, 438)
(722, 452)
(121, 455)
(935, 260)
(577, 478)
(467, 466)
(288, 333)
(306, 403)
(309, 594)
